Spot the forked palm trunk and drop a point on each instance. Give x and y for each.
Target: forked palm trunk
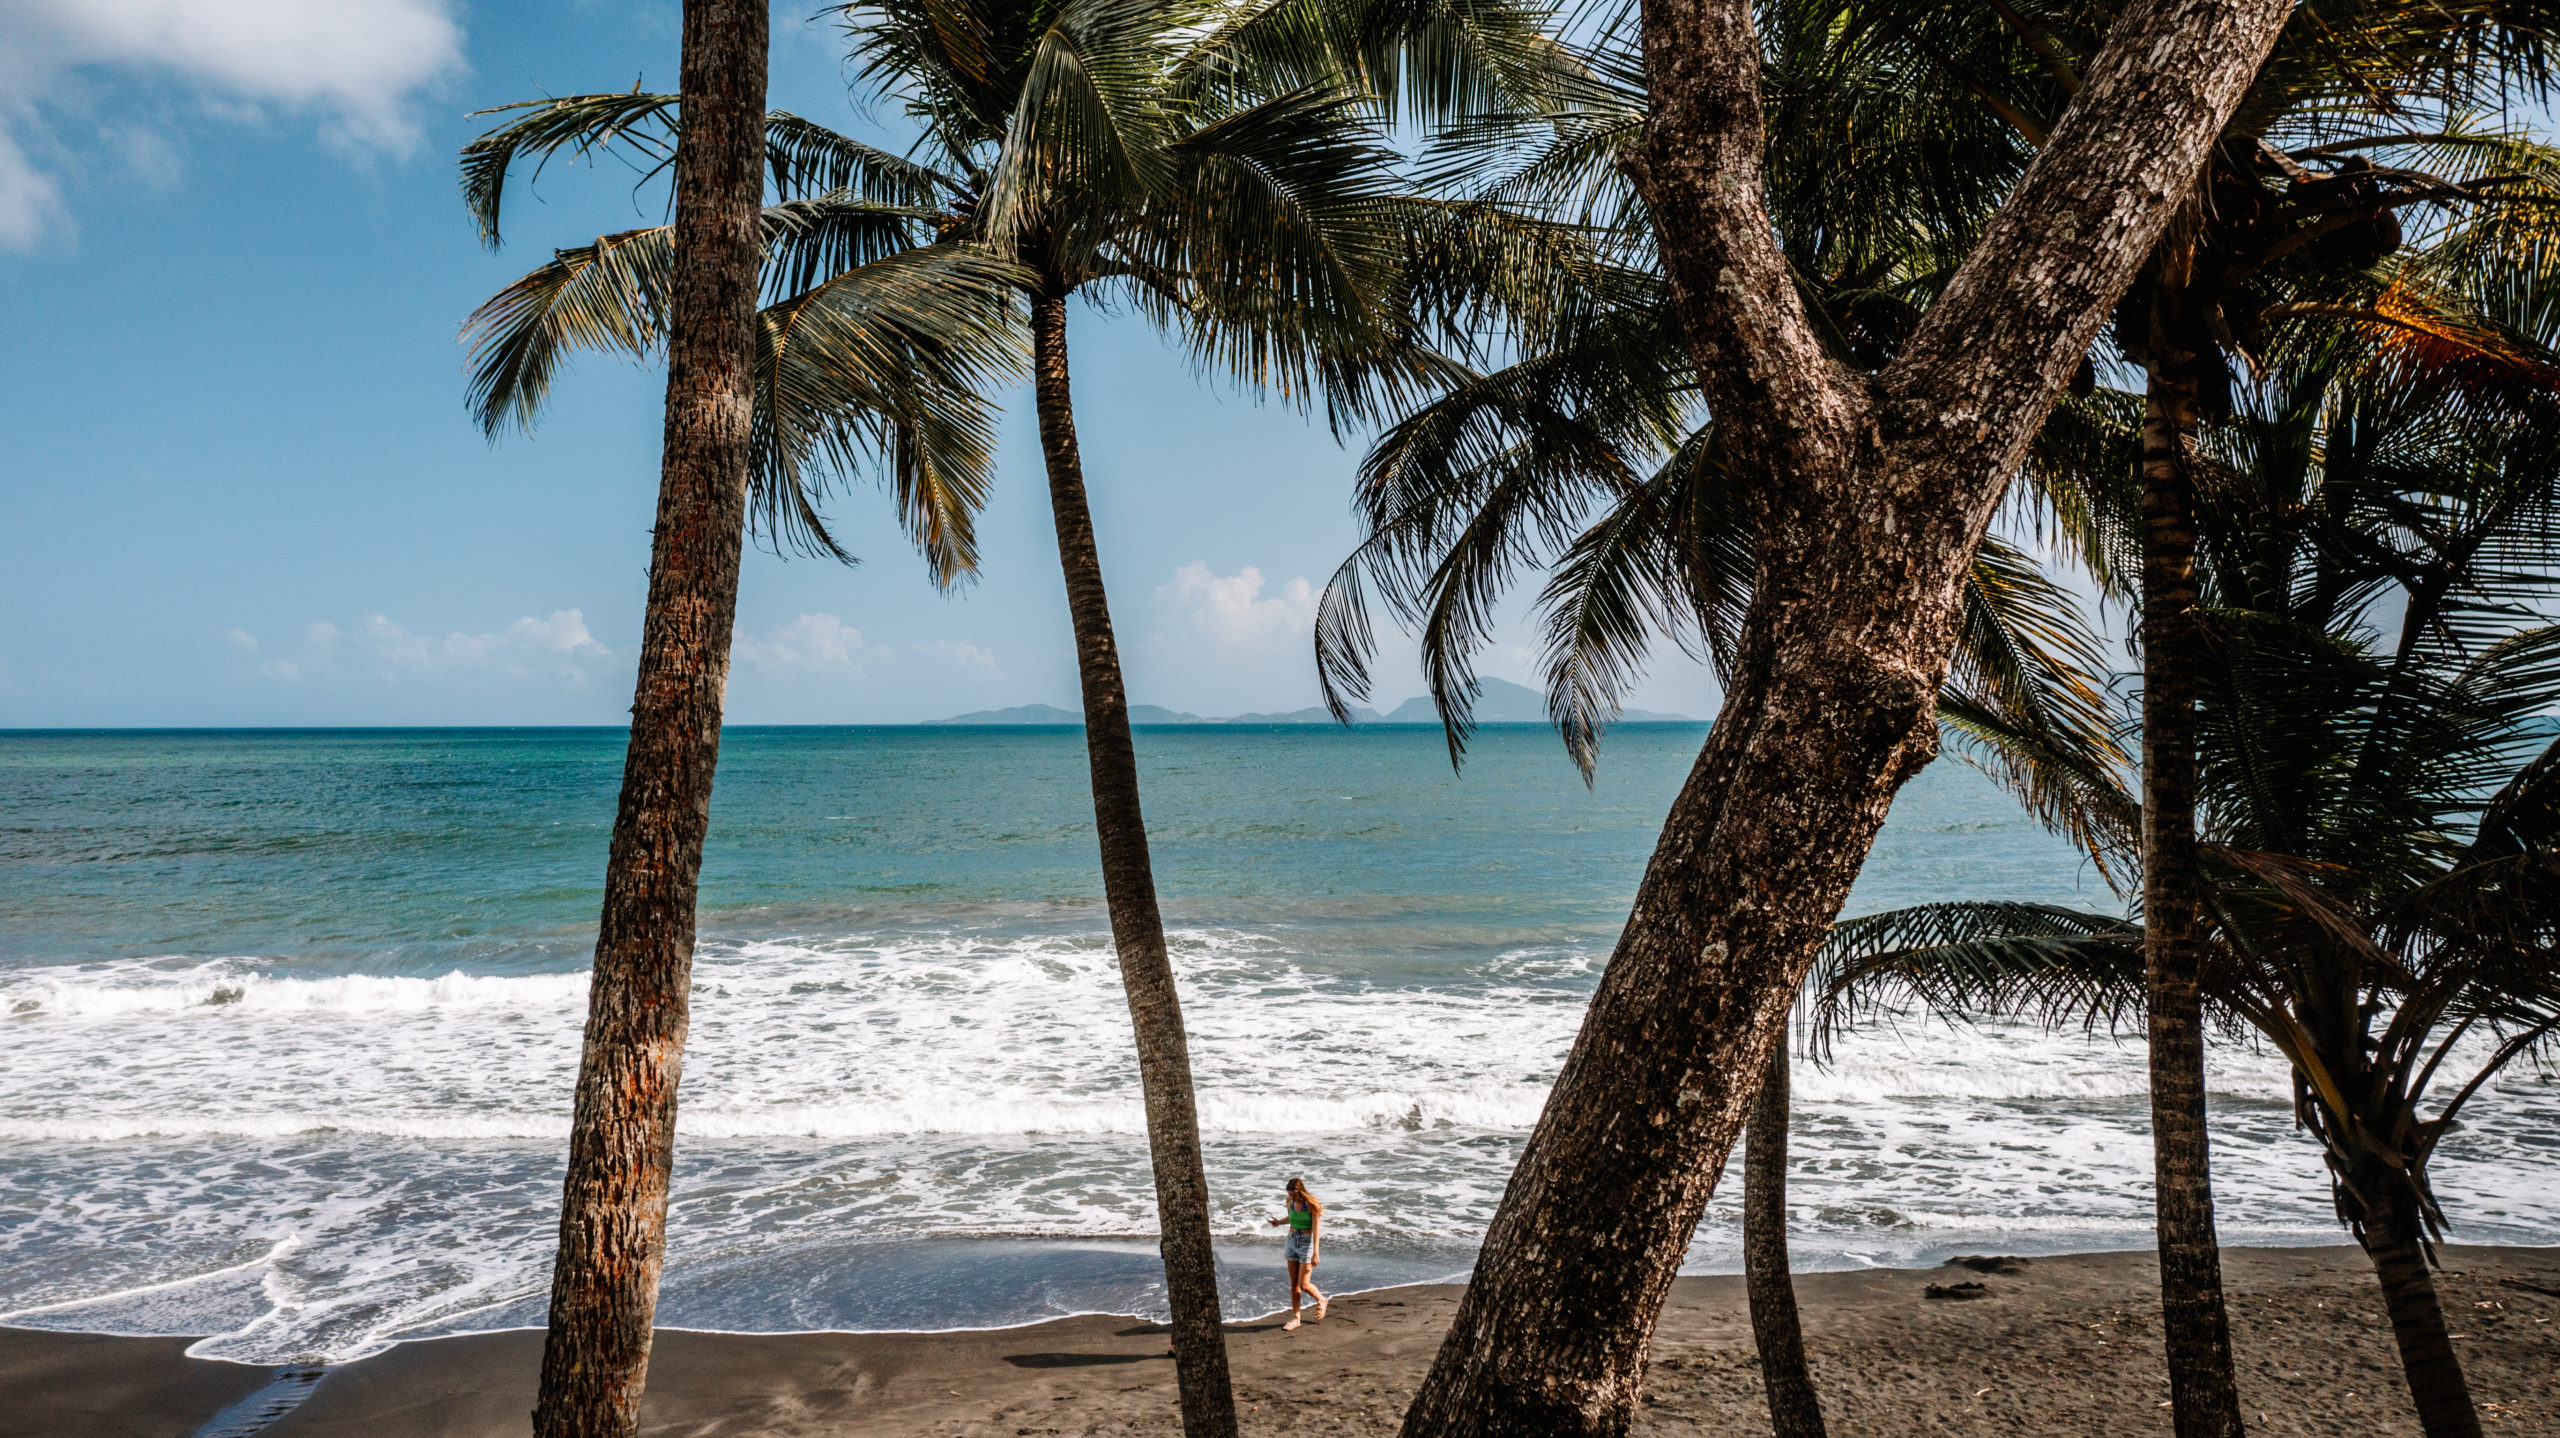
(613, 1214)
(2394, 1237)
(2204, 1396)
(1137, 928)
(1795, 1410)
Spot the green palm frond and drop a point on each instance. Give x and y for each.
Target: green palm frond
(1280, 222)
(640, 127)
(610, 295)
(890, 359)
(1089, 122)
(1673, 557)
(2058, 966)
(808, 159)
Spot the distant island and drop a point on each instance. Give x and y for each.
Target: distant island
(1499, 701)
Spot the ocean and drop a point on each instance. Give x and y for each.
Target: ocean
(289, 1023)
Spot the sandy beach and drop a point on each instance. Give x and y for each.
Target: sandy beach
(2060, 1345)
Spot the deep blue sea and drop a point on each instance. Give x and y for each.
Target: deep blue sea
(289, 1023)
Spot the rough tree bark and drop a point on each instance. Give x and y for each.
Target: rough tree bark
(2195, 1329)
(1795, 1409)
(1870, 495)
(1129, 888)
(2394, 1237)
(613, 1213)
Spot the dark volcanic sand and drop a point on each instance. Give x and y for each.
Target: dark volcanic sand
(2063, 1346)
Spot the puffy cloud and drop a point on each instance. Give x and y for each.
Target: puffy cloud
(555, 644)
(810, 643)
(357, 65)
(1228, 642)
(1231, 610)
(959, 654)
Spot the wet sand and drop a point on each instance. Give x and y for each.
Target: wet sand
(2061, 1345)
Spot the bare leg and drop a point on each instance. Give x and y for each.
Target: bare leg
(1297, 1282)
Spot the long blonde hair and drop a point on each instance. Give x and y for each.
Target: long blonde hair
(1298, 1191)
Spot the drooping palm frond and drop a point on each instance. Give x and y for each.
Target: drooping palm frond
(639, 127)
(2058, 966)
(1671, 557)
(612, 295)
(890, 359)
(882, 353)
(1088, 126)
(1280, 220)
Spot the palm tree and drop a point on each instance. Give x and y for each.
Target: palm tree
(2287, 212)
(1795, 1408)
(1216, 167)
(622, 1140)
(1588, 452)
(2347, 916)
(1888, 102)
(763, 410)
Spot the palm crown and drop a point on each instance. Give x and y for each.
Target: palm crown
(1216, 166)
(2380, 866)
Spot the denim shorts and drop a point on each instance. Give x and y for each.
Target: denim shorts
(1302, 1248)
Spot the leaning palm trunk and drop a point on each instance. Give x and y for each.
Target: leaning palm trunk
(1869, 498)
(1137, 928)
(2393, 1231)
(613, 1217)
(1795, 1410)
(2194, 1325)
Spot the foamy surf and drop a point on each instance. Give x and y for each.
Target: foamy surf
(909, 1100)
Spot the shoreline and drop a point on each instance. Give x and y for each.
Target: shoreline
(2060, 1343)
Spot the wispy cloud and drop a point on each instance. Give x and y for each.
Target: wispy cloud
(355, 66)
(556, 646)
(812, 643)
(959, 654)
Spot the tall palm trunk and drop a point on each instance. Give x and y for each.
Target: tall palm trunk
(1795, 1410)
(1129, 887)
(2394, 1234)
(613, 1213)
(2205, 1397)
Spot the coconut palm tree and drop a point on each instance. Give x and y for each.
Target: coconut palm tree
(2360, 113)
(1216, 167)
(916, 347)
(1586, 451)
(1883, 101)
(2378, 870)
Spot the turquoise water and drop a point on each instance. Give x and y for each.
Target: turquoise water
(288, 1023)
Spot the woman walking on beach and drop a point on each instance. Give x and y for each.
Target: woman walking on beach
(1306, 1235)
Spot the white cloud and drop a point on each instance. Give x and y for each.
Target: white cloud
(557, 644)
(241, 639)
(30, 200)
(1222, 643)
(810, 643)
(355, 65)
(960, 654)
(1231, 610)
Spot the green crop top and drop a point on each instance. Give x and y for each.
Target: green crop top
(1301, 1220)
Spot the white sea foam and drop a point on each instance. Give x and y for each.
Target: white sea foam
(403, 1131)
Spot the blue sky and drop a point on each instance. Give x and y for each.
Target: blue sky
(238, 485)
